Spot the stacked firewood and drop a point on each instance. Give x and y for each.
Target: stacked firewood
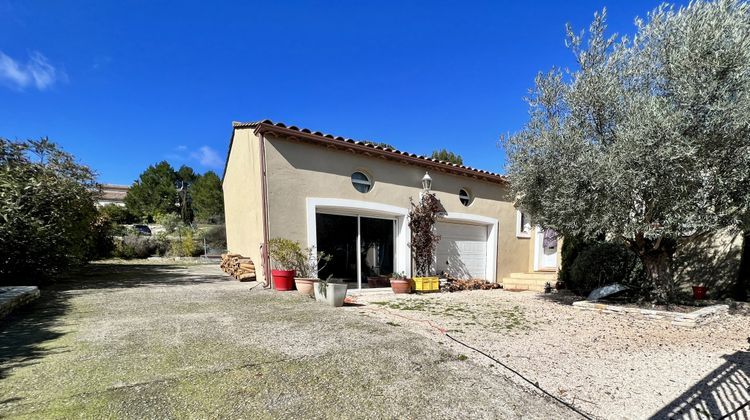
(237, 266)
(475, 284)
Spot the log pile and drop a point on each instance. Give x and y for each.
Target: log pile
(237, 266)
(458, 285)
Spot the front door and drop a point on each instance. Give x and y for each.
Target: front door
(546, 248)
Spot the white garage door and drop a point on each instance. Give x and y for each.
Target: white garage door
(462, 251)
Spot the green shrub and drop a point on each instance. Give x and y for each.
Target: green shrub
(103, 244)
(161, 244)
(120, 230)
(47, 212)
(216, 237)
(602, 263)
(117, 214)
(285, 254)
(134, 246)
(186, 245)
(169, 221)
(571, 247)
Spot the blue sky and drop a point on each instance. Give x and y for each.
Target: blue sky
(126, 84)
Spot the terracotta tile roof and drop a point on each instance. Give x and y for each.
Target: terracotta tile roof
(113, 192)
(282, 128)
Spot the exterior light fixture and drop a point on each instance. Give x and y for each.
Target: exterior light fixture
(426, 181)
(178, 202)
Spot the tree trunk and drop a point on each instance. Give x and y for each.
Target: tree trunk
(658, 266)
(742, 286)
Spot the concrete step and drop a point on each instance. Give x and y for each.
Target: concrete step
(529, 281)
(547, 276)
(515, 286)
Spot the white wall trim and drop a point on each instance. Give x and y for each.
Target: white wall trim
(537, 230)
(364, 208)
(520, 233)
(492, 227)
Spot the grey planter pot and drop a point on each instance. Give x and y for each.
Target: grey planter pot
(334, 296)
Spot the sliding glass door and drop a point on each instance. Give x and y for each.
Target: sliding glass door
(337, 237)
(360, 247)
(376, 247)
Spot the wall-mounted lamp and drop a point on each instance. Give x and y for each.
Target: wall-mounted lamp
(426, 181)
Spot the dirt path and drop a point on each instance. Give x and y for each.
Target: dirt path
(610, 366)
(158, 341)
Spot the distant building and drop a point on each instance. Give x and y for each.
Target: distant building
(113, 194)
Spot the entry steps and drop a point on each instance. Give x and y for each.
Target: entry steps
(530, 281)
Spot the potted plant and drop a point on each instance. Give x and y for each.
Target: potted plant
(424, 240)
(331, 291)
(699, 292)
(400, 283)
(285, 258)
(307, 271)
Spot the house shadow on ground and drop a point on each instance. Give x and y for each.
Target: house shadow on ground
(25, 334)
(722, 394)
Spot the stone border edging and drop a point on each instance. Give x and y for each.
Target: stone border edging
(690, 320)
(15, 296)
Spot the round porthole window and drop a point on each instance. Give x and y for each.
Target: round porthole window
(361, 182)
(464, 196)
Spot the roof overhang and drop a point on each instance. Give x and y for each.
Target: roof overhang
(268, 128)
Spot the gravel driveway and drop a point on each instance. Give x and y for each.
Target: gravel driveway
(607, 365)
(169, 341)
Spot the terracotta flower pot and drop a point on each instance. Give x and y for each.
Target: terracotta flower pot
(401, 285)
(305, 286)
(283, 280)
(699, 292)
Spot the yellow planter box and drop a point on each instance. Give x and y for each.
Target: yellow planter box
(426, 284)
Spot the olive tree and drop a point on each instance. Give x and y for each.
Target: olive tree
(647, 138)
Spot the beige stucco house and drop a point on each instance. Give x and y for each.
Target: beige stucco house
(350, 199)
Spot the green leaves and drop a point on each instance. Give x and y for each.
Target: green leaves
(208, 198)
(649, 137)
(447, 156)
(156, 193)
(47, 213)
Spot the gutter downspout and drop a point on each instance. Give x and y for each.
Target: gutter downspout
(264, 203)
